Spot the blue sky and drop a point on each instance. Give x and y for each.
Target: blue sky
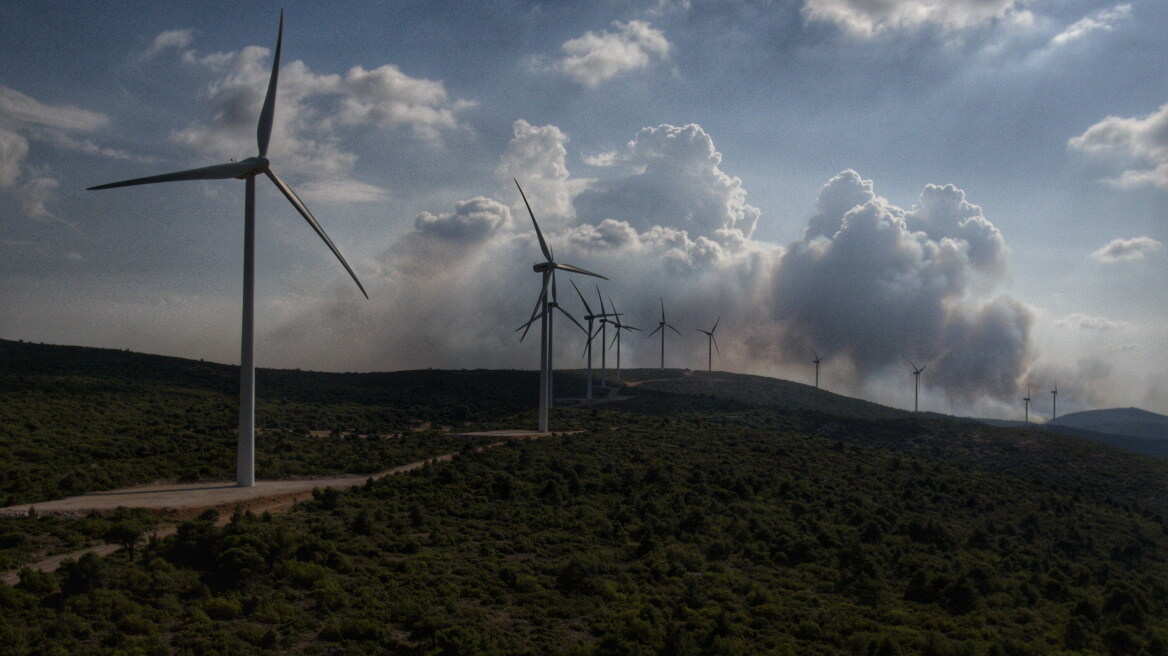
(979, 184)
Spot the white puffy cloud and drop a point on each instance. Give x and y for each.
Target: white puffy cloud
(872, 284)
(600, 56)
(675, 181)
(867, 18)
(1102, 20)
(312, 112)
(537, 159)
(22, 118)
(471, 220)
(1141, 140)
(177, 39)
(13, 149)
(1126, 250)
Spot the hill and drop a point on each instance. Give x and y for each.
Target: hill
(1119, 421)
(705, 514)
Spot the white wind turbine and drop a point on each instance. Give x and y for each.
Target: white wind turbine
(816, 361)
(247, 170)
(711, 344)
(543, 312)
(917, 389)
(662, 325)
(590, 317)
(617, 340)
(1026, 400)
(604, 321)
(1054, 404)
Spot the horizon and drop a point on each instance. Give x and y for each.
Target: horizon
(980, 188)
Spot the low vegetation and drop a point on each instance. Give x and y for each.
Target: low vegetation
(718, 526)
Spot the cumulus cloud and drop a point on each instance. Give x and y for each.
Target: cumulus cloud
(313, 113)
(1142, 141)
(1102, 20)
(865, 18)
(873, 284)
(600, 56)
(868, 284)
(674, 179)
(1126, 250)
(176, 39)
(22, 118)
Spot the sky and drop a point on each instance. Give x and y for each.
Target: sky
(978, 186)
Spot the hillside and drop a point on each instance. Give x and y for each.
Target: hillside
(705, 514)
(1119, 421)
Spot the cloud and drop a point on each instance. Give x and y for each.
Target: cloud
(868, 18)
(872, 284)
(598, 57)
(177, 39)
(674, 180)
(1126, 250)
(1142, 140)
(1104, 19)
(314, 114)
(1087, 322)
(537, 159)
(471, 220)
(13, 149)
(22, 118)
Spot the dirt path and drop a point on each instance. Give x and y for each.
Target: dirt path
(185, 501)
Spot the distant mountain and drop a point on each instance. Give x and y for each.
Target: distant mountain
(1119, 421)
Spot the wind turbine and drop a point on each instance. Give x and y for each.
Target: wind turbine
(617, 340)
(604, 321)
(662, 326)
(917, 393)
(543, 312)
(1054, 403)
(247, 170)
(1026, 399)
(816, 361)
(710, 342)
(590, 317)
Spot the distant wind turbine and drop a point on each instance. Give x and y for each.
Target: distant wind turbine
(662, 326)
(711, 344)
(617, 340)
(917, 392)
(247, 170)
(1026, 400)
(1054, 403)
(590, 317)
(604, 321)
(816, 361)
(543, 312)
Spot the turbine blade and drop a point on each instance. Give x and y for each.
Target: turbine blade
(542, 244)
(215, 172)
(586, 308)
(569, 315)
(527, 326)
(267, 114)
(300, 207)
(716, 325)
(716, 349)
(613, 339)
(662, 310)
(923, 369)
(654, 331)
(630, 328)
(674, 329)
(574, 269)
(602, 310)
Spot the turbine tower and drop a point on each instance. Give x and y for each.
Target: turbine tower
(1054, 403)
(711, 344)
(617, 340)
(543, 312)
(816, 361)
(590, 317)
(247, 170)
(604, 321)
(917, 392)
(662, 326)
(1026, 400)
